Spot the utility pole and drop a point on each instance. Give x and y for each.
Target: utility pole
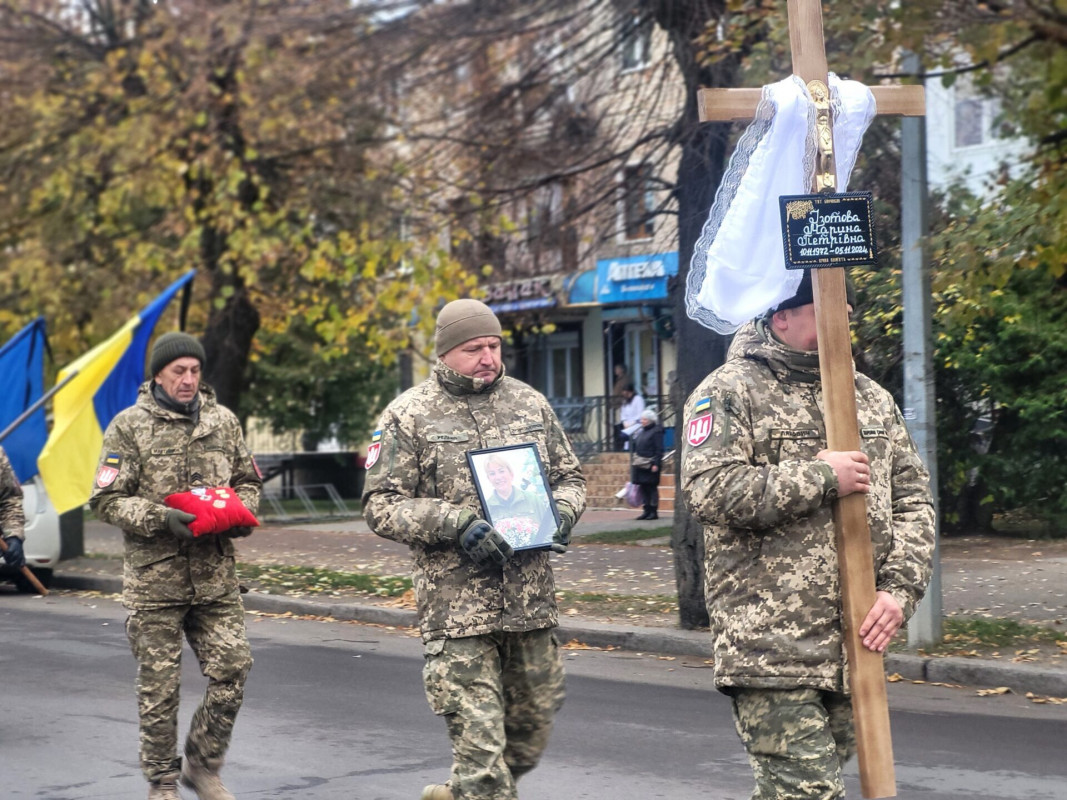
(919, 395)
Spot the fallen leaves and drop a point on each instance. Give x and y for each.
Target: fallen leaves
(574, 644)
(1042, 700)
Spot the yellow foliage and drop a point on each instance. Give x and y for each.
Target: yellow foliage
(229, 142)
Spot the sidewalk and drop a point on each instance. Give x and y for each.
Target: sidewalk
(981, 577)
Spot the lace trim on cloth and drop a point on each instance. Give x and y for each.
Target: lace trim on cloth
(738, 267)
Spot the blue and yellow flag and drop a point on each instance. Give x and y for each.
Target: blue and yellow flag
(105, 382)
(22, 365)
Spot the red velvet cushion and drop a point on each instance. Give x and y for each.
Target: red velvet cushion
(216, 510)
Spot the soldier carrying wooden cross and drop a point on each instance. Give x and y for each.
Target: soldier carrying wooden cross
(802, 472)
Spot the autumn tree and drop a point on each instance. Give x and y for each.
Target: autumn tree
(1001, 269)
(246, 139)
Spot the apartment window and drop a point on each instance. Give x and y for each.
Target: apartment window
(969, 123)
(639, 202)
(975, 118)
(545, 216)
(636, 41)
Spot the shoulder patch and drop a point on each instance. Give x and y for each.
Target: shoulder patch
(105, 476)
(698, 430)
(373, 452)
(702, 405)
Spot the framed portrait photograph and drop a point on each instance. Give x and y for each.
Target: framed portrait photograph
(516, 498)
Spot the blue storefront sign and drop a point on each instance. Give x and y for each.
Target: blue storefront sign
(634, 279)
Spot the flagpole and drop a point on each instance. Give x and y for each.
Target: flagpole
(29, 412)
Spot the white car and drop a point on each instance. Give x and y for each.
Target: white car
(43, 541)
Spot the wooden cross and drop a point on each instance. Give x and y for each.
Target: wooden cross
(869, 701)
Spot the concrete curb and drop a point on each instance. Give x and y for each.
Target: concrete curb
(1020, 678)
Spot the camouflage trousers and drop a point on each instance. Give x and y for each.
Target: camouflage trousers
(498, 694)
(216, 634)
(797, 740)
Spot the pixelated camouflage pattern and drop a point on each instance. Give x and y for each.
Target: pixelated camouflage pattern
(420, 491)
(797, 740)
(162, 452)
(771, 572)
(477, 682)
(12, 518)
(216, 634)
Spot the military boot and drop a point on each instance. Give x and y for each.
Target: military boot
(204, 780)
(437, 791)
(164, 789)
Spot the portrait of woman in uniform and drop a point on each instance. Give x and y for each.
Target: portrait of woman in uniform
(513, 489)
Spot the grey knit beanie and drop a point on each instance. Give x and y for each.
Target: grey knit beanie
(174, 345)
(463, 320)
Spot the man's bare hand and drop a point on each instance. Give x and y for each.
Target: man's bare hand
(881, 623)
(852, 469)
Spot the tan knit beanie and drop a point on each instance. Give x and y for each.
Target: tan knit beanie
(463, 320)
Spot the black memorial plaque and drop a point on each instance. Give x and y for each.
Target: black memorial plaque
(828, 230)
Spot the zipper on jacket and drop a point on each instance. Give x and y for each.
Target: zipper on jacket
(730, 414)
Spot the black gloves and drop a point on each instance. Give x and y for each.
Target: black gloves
(14, 555)
(238, 532)
(178, 524)
(485, 546)
(561, 539)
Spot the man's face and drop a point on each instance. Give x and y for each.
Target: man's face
(476, 358)
(180, 379)
(796, 327)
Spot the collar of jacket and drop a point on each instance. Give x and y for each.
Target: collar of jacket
(755, 341)
(147, 400)
(457, 384)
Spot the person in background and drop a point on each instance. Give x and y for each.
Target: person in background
(176, 437)
(12, 519)
(622, 380)
(629, 416)
(756, 472)
(646, 448)
(493, 668)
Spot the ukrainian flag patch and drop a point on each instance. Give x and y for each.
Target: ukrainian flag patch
(702, 405)
(376, 436)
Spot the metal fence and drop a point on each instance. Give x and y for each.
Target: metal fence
(590, 421)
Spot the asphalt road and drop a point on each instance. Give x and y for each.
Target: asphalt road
(335, 710)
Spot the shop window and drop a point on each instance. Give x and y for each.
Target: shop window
(560, 367)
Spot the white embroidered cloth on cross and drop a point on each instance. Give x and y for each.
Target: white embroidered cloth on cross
(738, 267)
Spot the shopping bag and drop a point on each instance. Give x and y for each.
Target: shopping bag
(633, 496)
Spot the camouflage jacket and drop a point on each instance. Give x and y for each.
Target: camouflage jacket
(150, 452)
(419, 485)
(749, 474)
(12, 520)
